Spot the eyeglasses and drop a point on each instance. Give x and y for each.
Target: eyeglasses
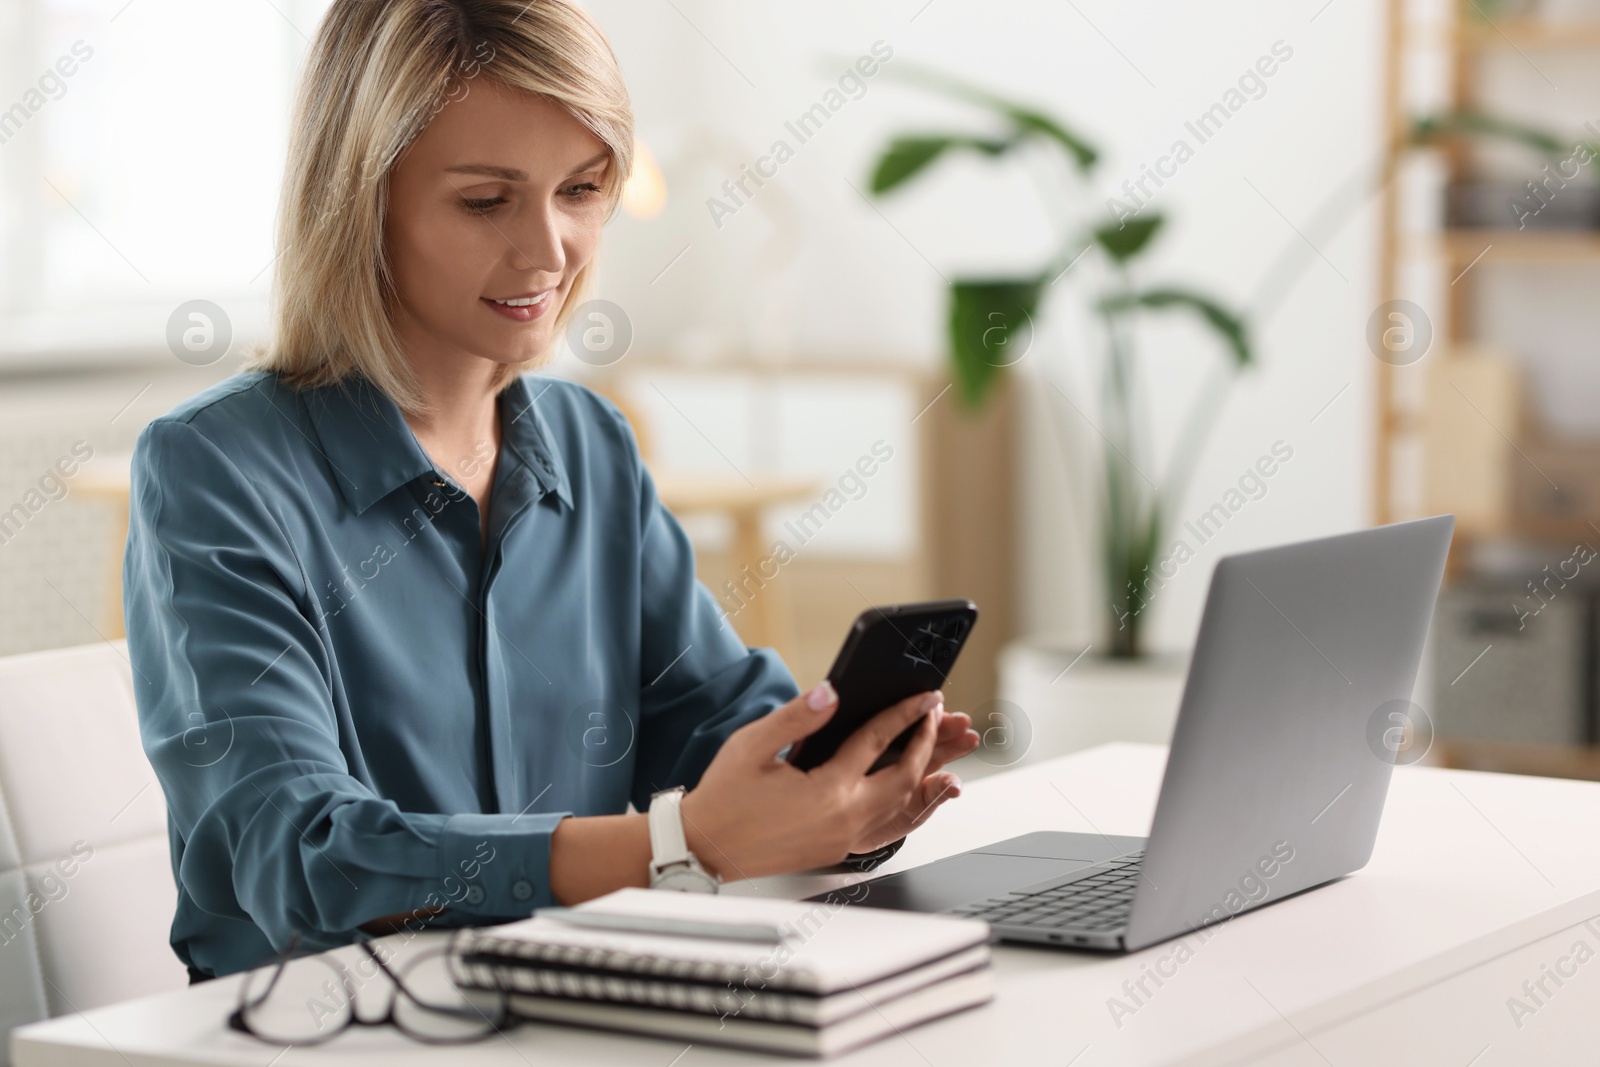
(311, 999)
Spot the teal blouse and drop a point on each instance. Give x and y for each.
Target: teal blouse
(354, 709)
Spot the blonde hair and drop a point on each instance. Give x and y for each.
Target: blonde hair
(377, 73)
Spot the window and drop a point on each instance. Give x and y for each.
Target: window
(141, 151)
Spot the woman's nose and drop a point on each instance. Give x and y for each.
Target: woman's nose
(537, 242)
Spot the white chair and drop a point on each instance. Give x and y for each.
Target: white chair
(86, 889)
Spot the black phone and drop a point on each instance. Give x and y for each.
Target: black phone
(890, 653)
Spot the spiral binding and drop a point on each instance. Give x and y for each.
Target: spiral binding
(610, 975)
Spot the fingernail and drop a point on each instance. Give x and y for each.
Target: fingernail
(931, 700)
(955, 786)
(821, 697)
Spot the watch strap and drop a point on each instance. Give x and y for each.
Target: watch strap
(667, 841)
(866, 861)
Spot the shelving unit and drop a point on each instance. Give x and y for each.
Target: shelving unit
(1465, 42)
(1528, 33)
(1463, 247)
(1457, 48)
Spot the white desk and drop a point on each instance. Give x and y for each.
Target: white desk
(1478, 882)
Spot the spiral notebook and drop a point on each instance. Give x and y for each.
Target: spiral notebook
(838, 977)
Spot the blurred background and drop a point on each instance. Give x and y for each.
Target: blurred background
(1046, 305)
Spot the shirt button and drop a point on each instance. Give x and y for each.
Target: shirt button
(475, 895)
(521, 889)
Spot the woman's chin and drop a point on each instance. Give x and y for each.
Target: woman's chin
(535, 350)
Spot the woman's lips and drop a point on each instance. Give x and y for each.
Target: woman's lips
(521, 314)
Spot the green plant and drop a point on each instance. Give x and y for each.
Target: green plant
(987, 315)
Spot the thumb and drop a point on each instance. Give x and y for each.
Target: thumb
(797, 719)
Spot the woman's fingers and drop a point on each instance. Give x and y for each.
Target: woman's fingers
(791, 722)
(863, 747)
(956, 738)
(935, 790)
(953, 725)
(920, 750)
(903, 778)
(752, 820)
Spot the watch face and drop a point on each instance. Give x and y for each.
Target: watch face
(685, 880)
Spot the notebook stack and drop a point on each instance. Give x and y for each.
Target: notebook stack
(776, 975)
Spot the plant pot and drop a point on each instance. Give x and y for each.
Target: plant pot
(969, 523)
(1056, 699)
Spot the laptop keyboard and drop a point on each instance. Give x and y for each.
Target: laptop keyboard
(1100, 900)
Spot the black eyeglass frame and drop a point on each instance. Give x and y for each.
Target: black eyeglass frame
(501, 1019)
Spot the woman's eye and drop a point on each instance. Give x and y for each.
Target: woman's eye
(582, 190)
(483, 207)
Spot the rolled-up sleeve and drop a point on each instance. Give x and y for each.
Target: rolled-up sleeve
(699, 681)
(234, 687)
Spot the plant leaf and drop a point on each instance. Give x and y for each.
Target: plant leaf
(991, 326)
(1127, 239)
(908, 155)
(1080, 150)
(904, 158)
(1026, 119)
(1467, 122)
(1229, 326)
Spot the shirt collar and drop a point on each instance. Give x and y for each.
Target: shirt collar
(366, 440)
(525, 429)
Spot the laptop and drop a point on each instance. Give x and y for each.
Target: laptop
(1278, 768)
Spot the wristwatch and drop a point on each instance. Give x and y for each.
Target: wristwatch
(672, 865)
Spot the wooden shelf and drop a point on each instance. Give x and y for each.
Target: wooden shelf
(1462, 246)
(1528, 33)
(1554, 530)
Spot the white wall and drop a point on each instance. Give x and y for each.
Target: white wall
(809, 267)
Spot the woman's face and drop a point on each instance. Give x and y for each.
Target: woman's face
(499, 199)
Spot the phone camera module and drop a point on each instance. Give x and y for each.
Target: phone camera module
(923, 646)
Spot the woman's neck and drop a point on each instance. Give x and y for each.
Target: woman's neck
(460, 428)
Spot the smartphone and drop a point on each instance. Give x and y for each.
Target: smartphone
(890, 653)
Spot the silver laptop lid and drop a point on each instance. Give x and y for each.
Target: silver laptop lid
(1276, 779)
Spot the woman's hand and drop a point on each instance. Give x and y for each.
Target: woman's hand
(753, 814)
(954, 738)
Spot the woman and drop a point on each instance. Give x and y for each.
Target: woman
(410, 627)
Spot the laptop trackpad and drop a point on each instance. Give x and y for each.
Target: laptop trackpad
(956, 880)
